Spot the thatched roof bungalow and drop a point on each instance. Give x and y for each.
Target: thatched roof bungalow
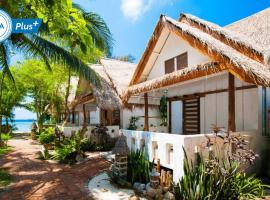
(115, 76)
(230, 50)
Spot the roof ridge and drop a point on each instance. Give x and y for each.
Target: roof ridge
(231, 38)
(112, 59)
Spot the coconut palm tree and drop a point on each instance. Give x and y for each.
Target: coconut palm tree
(42, 46)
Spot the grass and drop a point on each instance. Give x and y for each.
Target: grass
(5, 178)
(4, 150)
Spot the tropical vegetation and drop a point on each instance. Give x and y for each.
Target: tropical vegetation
(69, 38)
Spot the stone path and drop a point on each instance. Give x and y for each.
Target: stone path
(35, 179)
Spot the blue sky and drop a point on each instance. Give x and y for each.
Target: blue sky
(132, 21)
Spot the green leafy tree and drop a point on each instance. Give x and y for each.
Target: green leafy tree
(43, 86)
(65, 27)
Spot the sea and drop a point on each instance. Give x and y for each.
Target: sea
(22, 125)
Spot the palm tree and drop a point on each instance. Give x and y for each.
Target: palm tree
(39, 45)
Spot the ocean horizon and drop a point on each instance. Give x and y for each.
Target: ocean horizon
(21, 125)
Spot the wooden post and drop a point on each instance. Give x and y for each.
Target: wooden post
(170, 116)
(84, 114)
(146, 122)
(231, 103)
(73, 117)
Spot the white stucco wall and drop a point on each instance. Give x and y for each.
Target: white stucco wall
(153, 114)
(156, 147)
(173, 47)
(214, 107)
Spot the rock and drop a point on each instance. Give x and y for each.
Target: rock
(169, 196)
(134, 197)
(141, 188)
(79, 158)
(104, 190)
(136, 185)
(159, 196)
(165, 189)
(150, 192)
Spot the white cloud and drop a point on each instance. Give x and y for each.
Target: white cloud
(134, 9)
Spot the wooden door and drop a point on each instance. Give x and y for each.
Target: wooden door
(191, 116)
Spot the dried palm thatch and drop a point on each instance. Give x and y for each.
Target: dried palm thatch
(218, 44)
(237, 63)
(256, 28)
(174, 78)
(114, 76)
(235, 40)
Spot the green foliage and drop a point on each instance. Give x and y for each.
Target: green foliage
(67, 152)
(163, 110)
(88, 145)
(216, 180)
(47, 136)
(5, 178)
(139, 167)
(4, 150)
(101, 138)
(43, 86)
(132, 123)
(5, 137)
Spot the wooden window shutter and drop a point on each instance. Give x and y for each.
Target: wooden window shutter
(182, 61)
(169, 66)
(191, 116)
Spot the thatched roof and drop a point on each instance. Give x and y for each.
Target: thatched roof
(232, 51)
(115, 76)
(233, 39)
(121, 147)
(256, 28)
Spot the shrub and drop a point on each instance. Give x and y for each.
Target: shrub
(88, 145)
(5, 178)
(47, 136)
(102, 140)
(216, 180)
(69, 150)
(132, 123)
(5, 138)
(139, 167)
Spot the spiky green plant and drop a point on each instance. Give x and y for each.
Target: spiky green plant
(139, 167)
(216, 180)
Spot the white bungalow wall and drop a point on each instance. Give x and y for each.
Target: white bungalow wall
(214, 107)
(173, 47)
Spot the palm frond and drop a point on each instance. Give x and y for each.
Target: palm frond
(26, 46)
(59, 55)
(98, 29)
(4, 66)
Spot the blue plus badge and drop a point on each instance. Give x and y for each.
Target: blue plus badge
(8, 25)
(25, 25)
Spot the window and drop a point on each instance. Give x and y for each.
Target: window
(182, 61)
(176, 63)
(169, 66)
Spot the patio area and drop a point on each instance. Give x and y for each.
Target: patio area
(37, 179)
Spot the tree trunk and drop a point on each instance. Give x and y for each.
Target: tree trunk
(1, 93)
(66, 97)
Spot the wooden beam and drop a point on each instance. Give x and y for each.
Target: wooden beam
(231, 103)
(84, 114)
(146, 120)
(73, 117)
(202, 94)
